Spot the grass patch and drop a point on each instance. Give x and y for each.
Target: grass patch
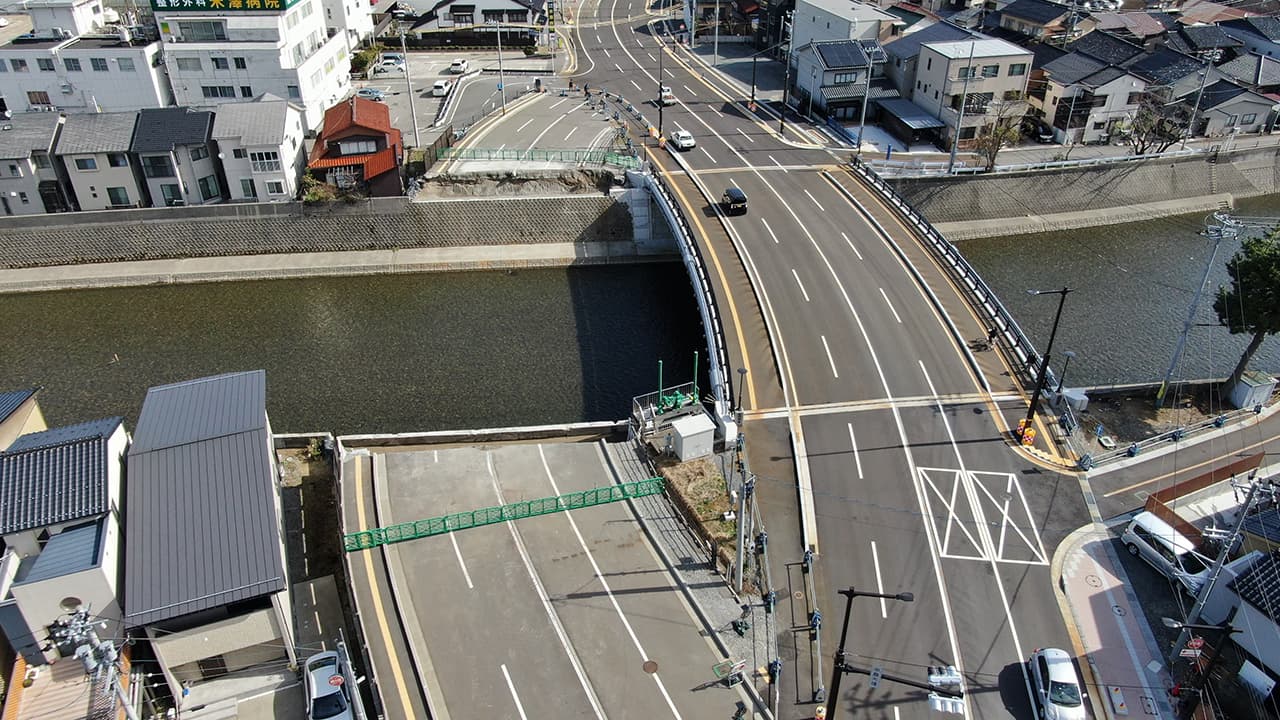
(699, 489)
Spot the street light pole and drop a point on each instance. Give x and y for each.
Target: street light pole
(862, 121)
(786, 82)
(715, 44)
(837, 672)
(1044, 363)
(502, 83)
(662, 51)
(1066, 364)
(1195, 110)
(964, 100)
(417, 140)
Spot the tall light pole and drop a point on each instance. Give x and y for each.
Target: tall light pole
(417, 140)
(964, 100)
(715, 43)
(662, 51)
(862, 121)
(502, 83)
(786, 80)
(1044, 363)
(837, 672)
(1065, 364)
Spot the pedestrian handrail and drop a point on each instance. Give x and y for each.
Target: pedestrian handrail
(589, 157)
(1090, 461)
(900, 168)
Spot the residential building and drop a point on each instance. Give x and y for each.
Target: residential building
(357, 149)
(1258, 34)
(1207, 42)
(352, 17)
(822, 20)
(75, 60)
(1250, 602)
(985, 78)
(60, 492)
(1228, 109)
(174, 147)
(832, 77)
(220, 51)
(1039, 19)
(261, 148)
(204, 547)
(1138, 27)
(1258, 73)
(94, 152)
(29, 182)
(477, 21)
(1106, 47)
(1085, 100)
(902, 52)
(19, 414)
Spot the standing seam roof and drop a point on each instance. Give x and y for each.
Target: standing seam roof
(11, 401)
(55, 476)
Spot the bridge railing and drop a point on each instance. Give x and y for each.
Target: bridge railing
(982, 297)
(707, 308)
(590, 157)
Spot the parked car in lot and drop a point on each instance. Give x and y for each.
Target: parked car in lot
(1055, 687)
(441, 88)
(683, 140)
(371, 94)
(458, 66)
(734, 201)
(1165, 549)
(1037, 130)
(327, 698)
(388, 67)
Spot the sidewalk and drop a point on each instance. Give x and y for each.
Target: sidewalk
(1122, 667)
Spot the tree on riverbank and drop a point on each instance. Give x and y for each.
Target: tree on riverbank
(1003, 131)
(1251, 303)
(1156, 125)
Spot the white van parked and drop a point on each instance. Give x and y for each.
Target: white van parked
(1165, 549)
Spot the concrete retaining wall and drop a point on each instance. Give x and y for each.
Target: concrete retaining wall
(1033, 201)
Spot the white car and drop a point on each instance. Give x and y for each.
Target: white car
(1055, 687)
(458, 66)
(683, 140)
(326, 688)
(389, 67)
(441, 88)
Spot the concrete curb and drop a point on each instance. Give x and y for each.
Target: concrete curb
(1071, 544)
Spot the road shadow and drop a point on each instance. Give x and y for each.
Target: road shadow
(1013, 692)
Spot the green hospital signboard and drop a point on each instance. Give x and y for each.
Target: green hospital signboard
(222, 5)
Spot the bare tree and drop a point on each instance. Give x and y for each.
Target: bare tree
(1156, 125)
(1003, 130)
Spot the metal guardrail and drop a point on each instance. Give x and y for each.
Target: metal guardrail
(905, 168)
(591, 157)
(400, 532)
(1089, 461)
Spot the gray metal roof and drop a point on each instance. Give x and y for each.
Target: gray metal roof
(160, 130)
(1263, 26)
(86, 133)
(1260, 586)
(203, 529)
(1105, 47)
(908, 46)
(10, 401)
(55, 476)
(911, 115)
(25, 132)
(261, 122)
(1037, 11)
(1072, 68)
(70, 551)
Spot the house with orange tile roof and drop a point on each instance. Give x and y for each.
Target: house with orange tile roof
(357, 149)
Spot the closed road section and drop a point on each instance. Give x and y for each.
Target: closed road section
(565, 615)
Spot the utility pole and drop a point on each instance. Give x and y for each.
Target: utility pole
(1195, 110)
(715, 43)
(417, 140)
(1044, 364)
(502, 83)
(964, 100)
(862, 120)
(1217, 233)
(786, 80)
(99, 658)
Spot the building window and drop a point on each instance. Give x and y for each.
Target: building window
(38, 97)
(99, 64)
(45, 64)
(928, 64)
(266, 161)
(3, 67)
(356, 147)
(248, 189)
(967, 73)
(845, 78)
(238, 153)
(14, 170)
(221, 63)
(1017, 69)
(240, 63)
(86, 164)
(157, 166)
(968, 133)
(1231, 120)
(275, 187)
(42, 160)
(492, 16)
(189, 64)
(218, 91)
(246, 91)
(119, 196)
(1249, 119)
(209, 187)
(1134, 98)
(117, 160)
(125, 64)
(19, 65)
(989, 71)
(294, 92)
(71, 64)
(199, 153)
(202, 31)
(23, 197)
(305, 10)
(171, 194)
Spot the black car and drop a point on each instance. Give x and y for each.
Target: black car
(734, 201)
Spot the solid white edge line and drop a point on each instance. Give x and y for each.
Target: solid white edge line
(644, 656)
(511, 686)
(797, 277)
(458, 551)
(546, 600)
(830, 359)
(875, 560)
(893, 310)
(857, 459)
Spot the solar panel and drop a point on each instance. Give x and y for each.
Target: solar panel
(1261, 586)
(842, 54)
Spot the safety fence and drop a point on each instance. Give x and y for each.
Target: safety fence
(400, 532)
(1088, 461)
(579, 157)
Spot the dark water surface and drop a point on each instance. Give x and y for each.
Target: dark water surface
(395, 353)
(1133, 285)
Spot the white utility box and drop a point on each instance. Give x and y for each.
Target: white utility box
(693, 436)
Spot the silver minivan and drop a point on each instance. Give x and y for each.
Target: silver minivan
(1167, 550)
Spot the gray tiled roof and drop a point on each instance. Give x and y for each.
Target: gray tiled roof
(1251, 69)
(261, 122)
(1072, 68)
(25, 132)
(1105, 47)
(1260, 586)
(1220, 92)
(55, 476)
(1264, 26)
(160, 130)
(908, 46)
(203, 529)
(1162, 66)
(1265, 524)
(1037, 11)
(85, 133)
(1203, 37)
(70, 551)
(10, 401)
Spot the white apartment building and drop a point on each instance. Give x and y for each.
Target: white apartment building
(821, 20)
(75, 60)
(354, 17)
(980, 74)
(261, 148)
(28, 179)
(220, 51)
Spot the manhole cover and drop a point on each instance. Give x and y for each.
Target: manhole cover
(1093, 580)
(650, 666)
(798, 595)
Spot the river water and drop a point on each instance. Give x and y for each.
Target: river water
(405, 353)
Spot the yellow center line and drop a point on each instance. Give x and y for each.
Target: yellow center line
(715, 260)
(367, 555)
